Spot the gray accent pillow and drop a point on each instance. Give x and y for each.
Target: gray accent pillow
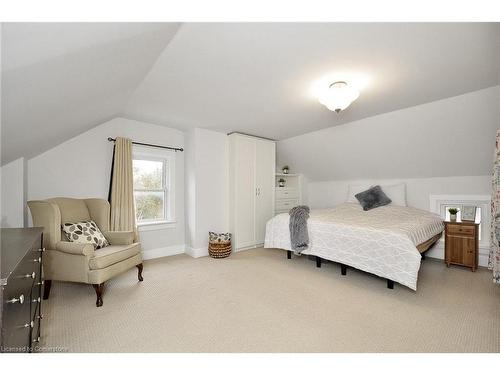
(372, 198)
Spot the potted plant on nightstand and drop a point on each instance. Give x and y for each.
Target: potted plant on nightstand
(453, 213)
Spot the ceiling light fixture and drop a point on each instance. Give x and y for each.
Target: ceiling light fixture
(338, 96)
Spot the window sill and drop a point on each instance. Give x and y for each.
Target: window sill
(145, 227)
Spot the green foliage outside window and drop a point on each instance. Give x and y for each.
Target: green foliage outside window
(148, 190)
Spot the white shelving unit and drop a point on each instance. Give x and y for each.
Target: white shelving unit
(288, 196)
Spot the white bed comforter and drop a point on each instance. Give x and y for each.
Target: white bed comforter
(381, 241)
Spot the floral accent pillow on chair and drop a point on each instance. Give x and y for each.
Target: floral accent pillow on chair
(85, 232)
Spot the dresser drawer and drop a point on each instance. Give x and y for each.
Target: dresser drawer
(17, 314)
(21, 291)
(286, 204)
(286, 193)
(461, 230)
(36, 330)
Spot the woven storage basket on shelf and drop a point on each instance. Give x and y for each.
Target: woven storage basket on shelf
(219, 245)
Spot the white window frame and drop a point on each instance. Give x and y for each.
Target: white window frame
(168, 176)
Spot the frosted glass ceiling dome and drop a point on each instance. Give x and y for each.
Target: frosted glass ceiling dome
(338, 96)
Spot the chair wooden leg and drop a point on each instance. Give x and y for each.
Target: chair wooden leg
(46, 289)
(99, 288)
(139, 272)
(288, 254)
(343, 269)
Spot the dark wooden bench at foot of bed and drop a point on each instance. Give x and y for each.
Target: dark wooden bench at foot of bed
(422, 248)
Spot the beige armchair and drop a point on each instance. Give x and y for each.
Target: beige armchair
(76, 262)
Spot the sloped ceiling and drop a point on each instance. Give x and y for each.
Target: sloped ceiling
(255, 78)
(449, 137)
(59, 80)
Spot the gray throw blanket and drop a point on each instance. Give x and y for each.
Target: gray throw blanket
(299, 237)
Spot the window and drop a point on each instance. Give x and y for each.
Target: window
(153, 190)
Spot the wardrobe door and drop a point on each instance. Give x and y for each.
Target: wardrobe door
(245, 192)
(264, 183)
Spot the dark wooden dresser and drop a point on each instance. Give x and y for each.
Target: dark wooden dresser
(20, 289)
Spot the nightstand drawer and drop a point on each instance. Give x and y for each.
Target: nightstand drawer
(461, 230)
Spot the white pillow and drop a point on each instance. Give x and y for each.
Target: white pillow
(355, 189)
(397, 193)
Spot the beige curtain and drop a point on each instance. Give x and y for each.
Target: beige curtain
(122, 188)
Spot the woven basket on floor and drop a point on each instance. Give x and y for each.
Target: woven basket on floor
(219, 250)
(219, 245)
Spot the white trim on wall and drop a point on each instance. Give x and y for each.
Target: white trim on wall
(156, 226)
(196, 253)
(437, 200)
(163, 252)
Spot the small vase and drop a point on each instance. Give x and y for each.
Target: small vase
(453, 217)
(285, 170)
(281, 184)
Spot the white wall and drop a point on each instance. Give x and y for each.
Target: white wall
(81, 166)
(418, 190)
(206, 188)
(13, 196)
(450, 137)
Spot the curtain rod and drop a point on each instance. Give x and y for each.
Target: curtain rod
(151, 145)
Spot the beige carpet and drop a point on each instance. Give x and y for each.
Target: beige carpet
(258, 301)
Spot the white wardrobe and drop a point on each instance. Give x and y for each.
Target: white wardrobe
(252, 164)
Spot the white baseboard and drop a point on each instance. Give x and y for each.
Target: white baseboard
(437, 252)
(162, 252)
(249, 247)
(197, 253)
(203, 251)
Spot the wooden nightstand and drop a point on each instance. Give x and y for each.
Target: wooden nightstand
(461, 243)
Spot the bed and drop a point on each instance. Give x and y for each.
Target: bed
(386, 241)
